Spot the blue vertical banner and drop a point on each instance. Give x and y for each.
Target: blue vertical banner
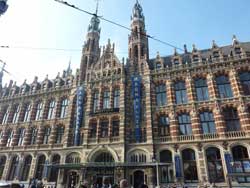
(136, 94)
(229, 160)
(178, 170)
(79, 114)
(3, 6)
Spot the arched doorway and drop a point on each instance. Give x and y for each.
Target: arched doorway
(138, 178)
(73, 179)
(103, 170)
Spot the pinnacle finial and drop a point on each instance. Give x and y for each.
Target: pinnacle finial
(97, 6)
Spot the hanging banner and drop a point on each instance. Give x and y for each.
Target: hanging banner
(3, 6)
(79, 114)
(178, 171)
(136, 94)
(228, 159)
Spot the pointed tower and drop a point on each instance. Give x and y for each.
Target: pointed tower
(91, 49)
(138, 41)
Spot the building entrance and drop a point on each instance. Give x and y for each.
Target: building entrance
(138, 178)
(73, 179)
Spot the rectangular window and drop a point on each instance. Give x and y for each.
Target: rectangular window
(164, 129)
(104, 129)
(115, 128)
(232, 120)
(201, 89)
(51, 112)
(6, 116)
(10, 138)
(46, 135)
(33, 136)
(180, 93)
(207, 123)
(59, 134)
(21, 137)
(106, 99)
(95, 101)
(27, 113)
(185, 124)
(117, 98)
(224, 87)
(161, 98)
(93, 130)
(16, 114)
(39, 111)
(64, 108)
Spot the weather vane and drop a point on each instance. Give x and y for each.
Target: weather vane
(97, 6)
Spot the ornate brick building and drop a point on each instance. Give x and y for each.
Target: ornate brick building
(180, 118)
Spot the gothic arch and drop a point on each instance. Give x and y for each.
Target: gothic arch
(99, 149)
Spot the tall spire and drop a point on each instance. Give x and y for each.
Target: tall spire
(95, 21)
(137, 12)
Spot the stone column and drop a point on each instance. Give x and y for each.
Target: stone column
(211, 86)
(235, 84)
(170, 92)
(190, 88)
(195, 123)
(6, 167)
(244, 117)
(219, 120)
(174, 128)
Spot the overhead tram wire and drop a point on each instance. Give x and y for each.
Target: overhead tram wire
(117, 24)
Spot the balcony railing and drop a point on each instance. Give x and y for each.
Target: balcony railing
(210, 136)
(102, 111)
(235, 134)
(115, 139)
(185, 138)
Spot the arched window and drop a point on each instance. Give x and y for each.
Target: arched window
(51, 111)
(224, 87)
(59, 134)
(2, 165)
(164, 127)
(104, 157)
(116, 98)
(185, 124)
(64, 108)
(245, 82)
(201, 89)
(136, 51)
(21, 135)
(189, 166)
(180, 92)
(16, 114)
(6, 115)
(138, 157)
(214, 165)
(104, 129)
(39, 110)
(95, 101)
(73, 158)
(27, 111)
(207, 123)
(40, 167)
(10, 137)
(166, 171)
(241, 162)
(161, 98)
(13, 168)
(33, 135)
(26, 168)
(54, 171)
(106, 99)
(231, 119)
(46, 135)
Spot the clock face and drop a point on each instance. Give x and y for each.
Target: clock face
(3, 6)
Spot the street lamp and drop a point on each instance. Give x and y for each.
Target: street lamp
(157, 172)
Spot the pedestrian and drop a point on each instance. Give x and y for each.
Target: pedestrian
(123, 183)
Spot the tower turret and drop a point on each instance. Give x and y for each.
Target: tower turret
(138, 41)
(91, 49)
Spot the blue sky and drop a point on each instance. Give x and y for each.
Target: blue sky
(45, 23)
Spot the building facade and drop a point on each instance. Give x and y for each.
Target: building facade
(182, 118)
